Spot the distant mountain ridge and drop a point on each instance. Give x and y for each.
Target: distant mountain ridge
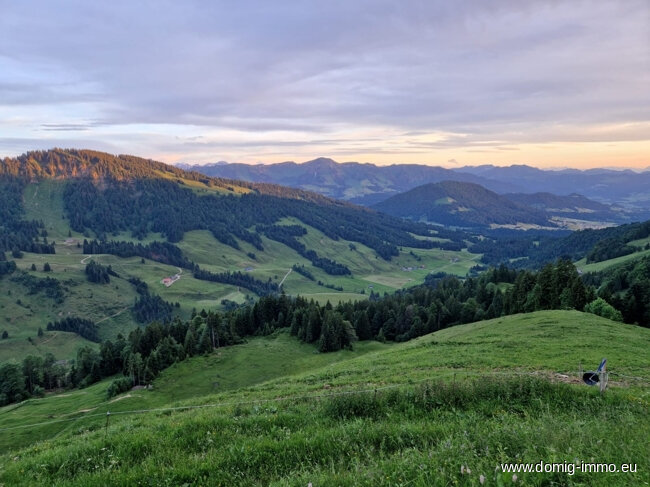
(356, 182)
(367, 184)
(625, 186)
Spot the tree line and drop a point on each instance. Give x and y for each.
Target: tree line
(537, 248)
(441, 302)
(158, 205)
(286, 234)
(626, 287)
(163, 252)
(150, 307)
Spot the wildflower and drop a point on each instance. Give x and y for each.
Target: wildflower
(481, 479)
(514, 477)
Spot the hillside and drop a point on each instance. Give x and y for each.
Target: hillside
(572, 207)
(313, 423)
(462, 205)
(149, 222)
(359, 183)
(588, 246)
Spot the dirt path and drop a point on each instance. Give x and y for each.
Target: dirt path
(34, 202)
(51, 338)
(112, 316)
(285, 276)
(83, 261)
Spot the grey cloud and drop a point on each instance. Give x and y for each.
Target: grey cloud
(493, 70)
(65, 127)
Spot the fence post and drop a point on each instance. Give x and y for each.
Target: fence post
(108, 415)
(602, 380)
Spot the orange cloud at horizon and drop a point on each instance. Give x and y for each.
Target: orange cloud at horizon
(578, 155)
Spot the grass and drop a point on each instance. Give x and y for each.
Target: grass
(368, 271)
(642, 242)
(473, 396)
(606, 264)
(109, 304)
(259, 360)
(44, 201)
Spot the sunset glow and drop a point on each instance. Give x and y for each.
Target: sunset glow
(549, 84)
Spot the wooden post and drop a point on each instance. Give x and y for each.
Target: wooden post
(602, 379)
(108, 415)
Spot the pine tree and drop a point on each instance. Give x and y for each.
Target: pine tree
(190, 341)
(213, 323)
(362, 325)
(204, 346)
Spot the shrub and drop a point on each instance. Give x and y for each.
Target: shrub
(602, 308)
(118, 386)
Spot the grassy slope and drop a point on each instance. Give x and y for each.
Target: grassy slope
(259, 360)
(606, 264)
(410, 436)
(109, 304)
(368, 271)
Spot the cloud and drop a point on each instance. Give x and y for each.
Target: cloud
(485, 74)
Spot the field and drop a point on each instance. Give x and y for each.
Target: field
(418, 413)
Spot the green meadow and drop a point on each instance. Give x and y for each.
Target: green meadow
(464, 399)
(109, 305)
(606, 264)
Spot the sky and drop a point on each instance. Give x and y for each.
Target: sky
(450, 83)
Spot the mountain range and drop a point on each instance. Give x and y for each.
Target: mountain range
(364, 184)
(368, 184)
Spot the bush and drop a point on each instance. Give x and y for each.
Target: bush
(118, 386)
(602, 308)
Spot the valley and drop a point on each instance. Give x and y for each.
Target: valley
(110, 305)
(282, 322)
(324, 244)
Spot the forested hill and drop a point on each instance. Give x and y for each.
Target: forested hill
(592, 245)
(101, 166)
(107, 194)
(73, 163)
(461, 204)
